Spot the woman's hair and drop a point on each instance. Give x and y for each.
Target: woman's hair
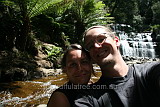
(73, 47)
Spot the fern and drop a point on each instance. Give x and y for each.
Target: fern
(41, 6)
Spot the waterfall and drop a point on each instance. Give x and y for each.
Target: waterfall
(137, 45)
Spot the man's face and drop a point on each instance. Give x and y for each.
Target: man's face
(101, 46)
(78, 67)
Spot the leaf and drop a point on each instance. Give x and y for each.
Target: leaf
(41, 6)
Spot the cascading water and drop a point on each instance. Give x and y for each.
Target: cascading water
(134, 44)
(140, 45)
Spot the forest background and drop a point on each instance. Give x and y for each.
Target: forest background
(25, 25)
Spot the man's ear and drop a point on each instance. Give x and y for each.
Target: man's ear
(117, 41)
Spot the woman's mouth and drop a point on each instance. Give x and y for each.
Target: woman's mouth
(80, 75)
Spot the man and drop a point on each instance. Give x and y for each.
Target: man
(126, 86)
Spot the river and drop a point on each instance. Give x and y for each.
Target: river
(31, 93)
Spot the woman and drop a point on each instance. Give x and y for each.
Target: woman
(76, 63)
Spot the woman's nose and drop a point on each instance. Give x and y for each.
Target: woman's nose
(79, 67)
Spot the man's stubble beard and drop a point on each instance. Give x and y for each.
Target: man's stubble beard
(107, 63)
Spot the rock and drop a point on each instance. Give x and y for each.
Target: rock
(20, 74)
(14, 74)
(49, 72)
(1, 105)
(35, 74)
(46, 72)
(44, 64)
(24, 63)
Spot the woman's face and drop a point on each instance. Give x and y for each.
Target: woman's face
(78, 67)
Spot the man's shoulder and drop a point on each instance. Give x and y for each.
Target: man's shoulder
(146, 70)
(146, 65)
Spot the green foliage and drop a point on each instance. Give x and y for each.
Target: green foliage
(62, 22)
(31, 8)
(156, 13)
(70, 18)
(81, 14)
(123, 10)
(156, 28)
(65, 40)
(137, 22)
(39, 6)
(54, 54)
(97, 14)
(22, 11)
(140, 14)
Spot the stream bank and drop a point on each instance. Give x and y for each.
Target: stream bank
(30, 81)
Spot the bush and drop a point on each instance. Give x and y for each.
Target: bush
(54, 54)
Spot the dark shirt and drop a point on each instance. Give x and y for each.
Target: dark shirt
(73, 92)
(139, 88)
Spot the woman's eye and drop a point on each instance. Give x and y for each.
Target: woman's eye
(72, 65)
(90, 46)
(85, 62)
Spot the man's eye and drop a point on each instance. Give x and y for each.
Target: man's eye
(100, 39)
